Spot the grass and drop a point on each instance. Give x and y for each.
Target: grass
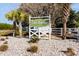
(3, 47)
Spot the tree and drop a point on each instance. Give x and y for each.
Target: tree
(72, 19)
(22, 16)
(71, 22)
(58, 22)
(12, 16)
(77, 19)
(43, 9)
(55, 10)
(17, 16)
(66, 12)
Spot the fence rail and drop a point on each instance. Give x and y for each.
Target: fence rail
(59, 31)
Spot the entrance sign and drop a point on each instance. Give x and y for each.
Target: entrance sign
(40, 26)
(35, 22)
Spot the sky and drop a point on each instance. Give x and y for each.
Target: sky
(6, 7)
(75, 6)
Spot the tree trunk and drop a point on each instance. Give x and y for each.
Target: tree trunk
(20, 29)
(14, 27)
(64, 30)
(64, 27)
(66, 12)
(53, 15)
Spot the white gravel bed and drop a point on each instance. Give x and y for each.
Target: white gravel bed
(18, 47)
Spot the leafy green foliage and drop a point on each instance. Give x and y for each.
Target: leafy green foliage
(5, 26)
(58, 22)
(17, 15)
(73, 20)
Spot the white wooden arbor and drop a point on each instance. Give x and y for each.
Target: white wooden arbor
(43, 32)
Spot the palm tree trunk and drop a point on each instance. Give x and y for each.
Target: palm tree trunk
(64, 29)
(20, 29)
(66, 10)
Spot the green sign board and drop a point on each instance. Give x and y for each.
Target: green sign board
(37, 22)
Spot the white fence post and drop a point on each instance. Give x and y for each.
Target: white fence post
(50, 27)
(39, 32)
(13, 34)
(61, 31)
(29, 27)
(78, 31)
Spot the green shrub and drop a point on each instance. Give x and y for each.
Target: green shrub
(32, 49)
(5, 26)
(34, 39)
(3, 47)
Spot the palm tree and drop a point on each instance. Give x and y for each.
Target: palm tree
(17, 16)
(12, 16)
(66, 12)
(21, 17)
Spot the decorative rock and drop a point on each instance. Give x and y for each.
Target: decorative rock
(18, 46)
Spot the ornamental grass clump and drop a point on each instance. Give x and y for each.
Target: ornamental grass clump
(3, 47)
(6, 37)
(34, 39)
(6, 42)
(32, 49)
(69, 52)
(2, 39)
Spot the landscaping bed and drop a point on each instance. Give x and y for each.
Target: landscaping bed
(19, 46)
